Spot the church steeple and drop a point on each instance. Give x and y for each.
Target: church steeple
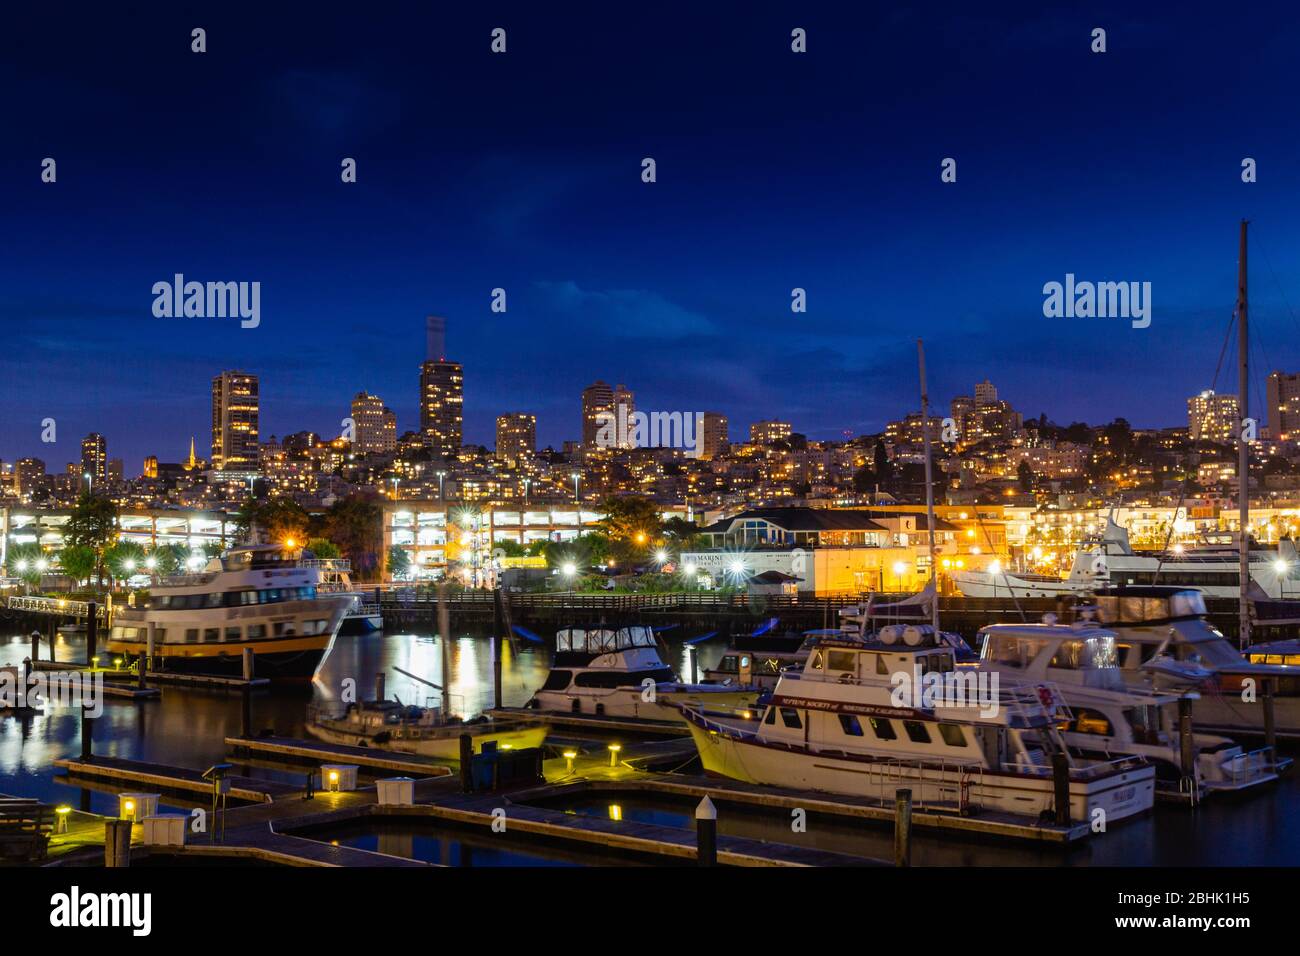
(193, 461)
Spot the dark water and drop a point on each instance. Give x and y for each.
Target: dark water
(187, 727)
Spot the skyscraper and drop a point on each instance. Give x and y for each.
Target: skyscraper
(986, 393)
(597, 401)
(234, 422)
(94, 458)
(1212, 417)
(442, 393)
(374, 424)
(1283, 406)
(714, 440)
(516, 437)
(767, 432)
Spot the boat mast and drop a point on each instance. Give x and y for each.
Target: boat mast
(929, 486)
(1243, 449)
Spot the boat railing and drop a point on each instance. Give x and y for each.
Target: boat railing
(1090, 771)
(187, 580)
(1252, 764)
(935, 783)
(342, 565)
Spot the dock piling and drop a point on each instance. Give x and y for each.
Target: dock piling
(117, 843)
(92, 632)
(381, 692)
(496, 646)
(1061, 787)
(36, 646)
(466, 761)
(903, 828)
(706, 833)
(1270, 727)
(248, 664)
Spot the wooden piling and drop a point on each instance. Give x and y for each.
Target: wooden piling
(466, 763)
(1187, 753)
(92, 632)
(381, 691)
(903, 828)
(248, 664)
(496, 646)
(117, 843)
(1061, 787)
(706, 833)
(36, 646)
(87, 733)
(1270, 727)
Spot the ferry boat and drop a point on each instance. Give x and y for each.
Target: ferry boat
(618, 672)
(837, 726)
(1212, 567)
(335, 577)
(1076, 671)
(1156, 624)
(255, 596)
(425, 731)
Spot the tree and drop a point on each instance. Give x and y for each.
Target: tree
(79, 561)
(354, 524)
(510, 549)
(93, 525)
(685, 534)
(1025, 475)
(881, 466)
(168, 559)
(632, 518)
(399, 562)
(123, 559)
(283, 520)
(323, 548)
(26, 560)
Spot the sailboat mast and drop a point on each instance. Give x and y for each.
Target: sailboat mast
(929, 485)
(1243, 448)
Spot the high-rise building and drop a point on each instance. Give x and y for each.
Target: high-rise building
(1212, 417)
(94, 458)
(150, 467)
(624, 406)
(713, 441)
(442, 397)
(30, 474)
(1284, 406)
(516, 437)
(115, 471)
(374, 425)
(767, 432)
(234, 422)
(986, 393)
(597, 403)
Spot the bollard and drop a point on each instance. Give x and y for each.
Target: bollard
(92, 632)
(466, 763)
(248, 664)
(902, 828)
(380, 690)
(1061, 782)
(706, 833)
(117, 843)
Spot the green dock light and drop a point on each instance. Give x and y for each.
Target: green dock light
(61, 818)
(613, 754)
(94, 663)
(569, 756)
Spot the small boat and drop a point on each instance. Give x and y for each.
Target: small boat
(423, 731)
(1076, 672)
(841, 726)
(618, 672)
(757, 660)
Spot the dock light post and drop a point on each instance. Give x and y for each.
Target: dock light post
(569, 756)
(706, 833)
(61, 818)
(613, 754)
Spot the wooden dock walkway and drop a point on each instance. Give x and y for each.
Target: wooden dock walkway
(165, 778)
(316, 750)
(594, 724)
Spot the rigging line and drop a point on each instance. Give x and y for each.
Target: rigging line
(1281, 291)
(1196, 439)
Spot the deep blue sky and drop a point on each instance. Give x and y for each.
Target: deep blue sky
(523, 171)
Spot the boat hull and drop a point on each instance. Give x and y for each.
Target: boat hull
(442, 746)
(1119, 795)
(630, 702)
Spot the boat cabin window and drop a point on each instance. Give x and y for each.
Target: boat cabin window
(790, 717)
(816, 661)
(1087, 721)
(842, 661)
(882, 728)
(916, 731)
(770, 716)
(881, 666)
(1010, 650)
(849, 724)
(936, 664)
(952, 735)
(1085, 654)
(603, 640)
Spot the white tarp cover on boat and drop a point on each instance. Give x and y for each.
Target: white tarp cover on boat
(603, 639)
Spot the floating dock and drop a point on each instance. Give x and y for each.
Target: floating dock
(371, 758)
(179, 779)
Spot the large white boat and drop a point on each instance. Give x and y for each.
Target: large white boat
(256, 597)
(1076, 668)
(1156, 624)
(617, 672)
(1212, 568)
(837, 726)
(364, 616)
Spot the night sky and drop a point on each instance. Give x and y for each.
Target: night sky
(522, 171)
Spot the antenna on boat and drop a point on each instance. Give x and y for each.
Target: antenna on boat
(929, 486)
(1243, 448)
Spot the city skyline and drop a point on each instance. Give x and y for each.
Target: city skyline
(603, 279)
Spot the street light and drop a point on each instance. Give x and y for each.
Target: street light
(577, 500)
(441, 475)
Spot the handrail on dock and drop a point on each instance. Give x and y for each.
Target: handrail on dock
(63, 607)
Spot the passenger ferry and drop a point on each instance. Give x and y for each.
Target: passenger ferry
(426, 731)
(1076, 670)
(837, 726)
(256, 596)
(617, 672)
(1213, 568)
(335, 577)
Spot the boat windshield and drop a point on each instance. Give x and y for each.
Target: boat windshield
(1136, 609)
(603, 640)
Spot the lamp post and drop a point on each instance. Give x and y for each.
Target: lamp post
(577, 500)
(441, 475)
(395, 480)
